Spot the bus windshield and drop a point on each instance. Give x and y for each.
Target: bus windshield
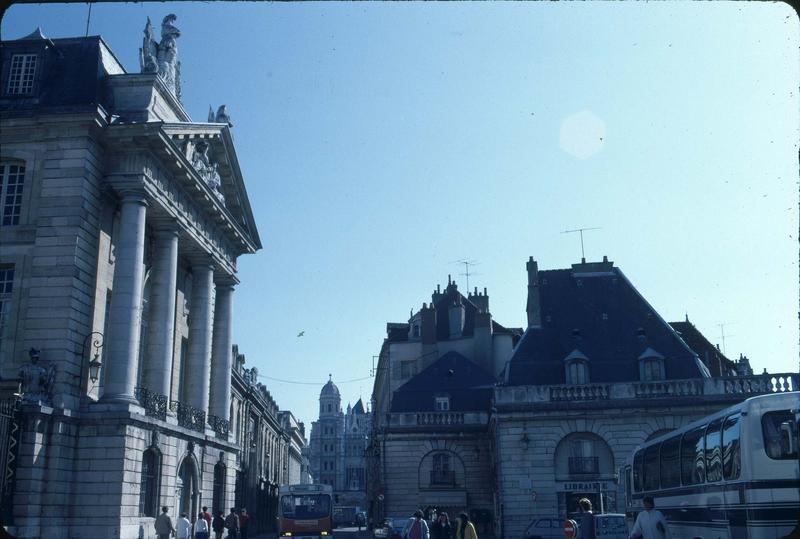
(306, 506)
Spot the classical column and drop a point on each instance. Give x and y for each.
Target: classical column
(222, 357)
(164, 276)
(200, 325)
(122, 345)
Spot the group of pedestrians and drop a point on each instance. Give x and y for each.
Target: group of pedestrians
(649, 524)
(236, 525)
(417, 527)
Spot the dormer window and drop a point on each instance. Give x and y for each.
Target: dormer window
(21, 74)
(415, 331)
(442, 404)
(651, 366)
(576, 366)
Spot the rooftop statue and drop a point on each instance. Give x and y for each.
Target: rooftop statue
(221, 117)
(162, 57)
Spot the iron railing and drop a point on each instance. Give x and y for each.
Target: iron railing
(189, 416)
(583, 465)
(154, 404)
(220, 426)
(442, 478)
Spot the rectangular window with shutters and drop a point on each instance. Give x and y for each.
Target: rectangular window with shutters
(671, 463)
(693, 467)
(21, 74)
(731, 456)
(713, 451)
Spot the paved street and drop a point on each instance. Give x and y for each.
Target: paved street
(338, 533)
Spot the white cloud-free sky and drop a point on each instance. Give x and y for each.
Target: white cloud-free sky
(380, 142)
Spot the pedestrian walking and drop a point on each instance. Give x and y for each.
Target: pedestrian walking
(587, 530)
(184, 527)
(416, 528)
(465, 528)
(244, 520)
(441, 529)
(232, 524)
(206, 516)
(650, 523)
(163, 525)
(201, 527)
(218, 525)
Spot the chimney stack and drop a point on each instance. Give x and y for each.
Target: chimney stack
(481, 301)
(428, 323)
(534, 308)
(456, 317)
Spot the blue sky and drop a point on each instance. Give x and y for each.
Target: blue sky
(380, 142)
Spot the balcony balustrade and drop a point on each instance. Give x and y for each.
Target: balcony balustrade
(440, 418)
(188, 416)
(220, 426)
(154, 404)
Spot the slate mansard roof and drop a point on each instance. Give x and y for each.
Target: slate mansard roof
(600, 315)
(469, 387)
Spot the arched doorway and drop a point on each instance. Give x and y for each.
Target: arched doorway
(186, 489)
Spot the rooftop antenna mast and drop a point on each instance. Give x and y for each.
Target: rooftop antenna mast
(581, 231)
(88, 18)
(722, 335)
(467, 272)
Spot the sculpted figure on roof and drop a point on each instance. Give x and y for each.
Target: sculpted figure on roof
(162, 57)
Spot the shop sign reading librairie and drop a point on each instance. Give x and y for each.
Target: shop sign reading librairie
(580, 486)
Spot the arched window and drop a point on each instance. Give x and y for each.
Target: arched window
(220, 471)
(12, 181)
(441, 469)
(583, 455)
(150, 483)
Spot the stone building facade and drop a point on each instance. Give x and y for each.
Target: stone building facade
(431, 443)
(337, 444)
(596, 373)
(271, 442)
(122, 220)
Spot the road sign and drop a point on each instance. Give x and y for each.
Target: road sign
(380, 497)
(570, 529)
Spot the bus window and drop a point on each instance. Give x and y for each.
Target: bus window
(651, 471)
(780, 435)
(671, 463)
(713, 451)
(731, 458)
(637, 471)
(693, 469)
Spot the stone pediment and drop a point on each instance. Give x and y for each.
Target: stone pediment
(209, 148)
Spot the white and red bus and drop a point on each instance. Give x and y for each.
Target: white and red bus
(305, 511)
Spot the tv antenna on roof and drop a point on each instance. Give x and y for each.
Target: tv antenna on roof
(722, 334)
(581, 231)
(467, 272)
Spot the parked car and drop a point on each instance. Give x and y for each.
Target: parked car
(545, 528)
(391, 528)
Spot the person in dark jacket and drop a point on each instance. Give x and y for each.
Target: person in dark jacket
(587, 519)
(218, 525)
(441, 528)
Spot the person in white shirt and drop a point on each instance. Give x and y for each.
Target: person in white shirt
(184, 527)
(650, 523)
(200, 527)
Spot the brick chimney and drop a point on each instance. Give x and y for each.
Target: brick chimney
(481, 301)
(482, 342)
(534, 307)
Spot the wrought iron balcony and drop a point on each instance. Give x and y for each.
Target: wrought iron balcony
(154, 404)
(220, 426)
(583, 465)
(443, 478)
(189, 416)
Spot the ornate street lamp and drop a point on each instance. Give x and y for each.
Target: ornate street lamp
(94, 364)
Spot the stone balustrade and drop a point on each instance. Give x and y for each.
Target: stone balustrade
(438, 419)
(691, 388)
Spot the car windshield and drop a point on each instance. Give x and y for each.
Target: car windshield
(307, 506)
